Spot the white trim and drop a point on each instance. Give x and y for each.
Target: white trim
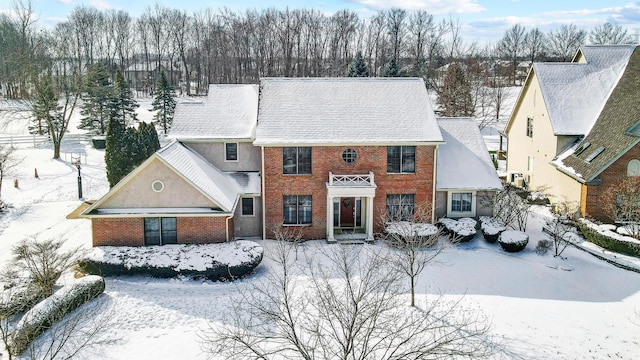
(474, 198)
(153, 186)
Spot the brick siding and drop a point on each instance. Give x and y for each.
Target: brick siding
(130, 231)
(329, 158)
(611, 177)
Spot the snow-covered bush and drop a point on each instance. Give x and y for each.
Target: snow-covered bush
(463, 229)
(607, 237)
(513, 240)
(225, 261)
(406, 229)
(52, 309)
(491, 228)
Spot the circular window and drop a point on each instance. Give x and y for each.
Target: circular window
(349, 156)
(157, 186)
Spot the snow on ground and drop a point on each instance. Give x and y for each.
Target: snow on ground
(540, 307)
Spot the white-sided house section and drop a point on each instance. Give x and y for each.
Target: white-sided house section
(466, 178)
(221, 128)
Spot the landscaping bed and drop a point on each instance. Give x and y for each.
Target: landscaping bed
(607, 236)
(216, 262)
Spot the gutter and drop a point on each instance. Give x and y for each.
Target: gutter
(262, 196)
(435, 174)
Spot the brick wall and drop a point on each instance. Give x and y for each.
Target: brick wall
(130, 231)
(610, 177)
(329, 158)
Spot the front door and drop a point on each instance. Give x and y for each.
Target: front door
(347, 210)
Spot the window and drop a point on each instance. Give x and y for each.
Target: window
(461, 202)
(349, 156)
(160, 231)
(594, 154)
(157, 186)
(582, 148)
(247, 207)
(400, 206)
(530, 127)
(296, 160)
(401, 159)
(297, 210)
(633, 168)
(231, 151)
(530, 164)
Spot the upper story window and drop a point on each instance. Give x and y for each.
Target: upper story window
(633, 168)
(349, 156)
(296, 160)
(530, 127)
(401, 159)
(231, 151)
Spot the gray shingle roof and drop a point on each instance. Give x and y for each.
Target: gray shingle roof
(345, 110)
(610, 131)
(463, 161)
(574, 93)
(227, 112)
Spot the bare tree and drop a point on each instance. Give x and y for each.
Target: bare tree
(564, 42)
(7, 163)
(344, 304)
(559, 227)
(511, 47)
(622, 204)
(609, 34)
(534, 45)
(511, 206)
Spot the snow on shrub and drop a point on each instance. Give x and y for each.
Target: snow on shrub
(463, 229)
(211, 261)
(607, 237)
(491, 228)
(513, 240)
(407, 228)
(52, 309)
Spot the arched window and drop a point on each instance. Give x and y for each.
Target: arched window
(633, 168)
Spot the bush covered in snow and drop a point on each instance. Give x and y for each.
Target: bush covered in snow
(225, 261)
(491, 228)
(513, 240)
(408, 229)
(463, 229)
(52, 309)
(607, 237)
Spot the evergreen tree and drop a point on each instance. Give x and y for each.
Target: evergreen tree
(115, 156)
(122, 106)
(148, 140)
(454, 96)
(45, 107)
(164, 103)
(358, 68)
(391, 69)
(97, 97)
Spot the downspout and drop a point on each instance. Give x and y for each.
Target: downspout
(262, 193)
(433, 197)
(233, 212)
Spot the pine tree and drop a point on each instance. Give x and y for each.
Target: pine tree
(454, 96)
(45, 107)
(97, 96)
(148, 140)
(164, 103)
(122, 106)
(358, 68)
(391, 69)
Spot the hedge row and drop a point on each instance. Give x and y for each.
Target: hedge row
(55, 307)
(609, 243)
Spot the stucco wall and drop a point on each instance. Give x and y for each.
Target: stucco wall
(137, 192)
(248, 226)
(482, 203)
(329, 158)
(248, 155)
(543, 146)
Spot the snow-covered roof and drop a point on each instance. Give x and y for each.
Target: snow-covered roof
(365, 111)
(463, 160)
(229, 111)
(575, 93)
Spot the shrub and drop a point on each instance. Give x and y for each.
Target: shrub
(513, 240)
(608, 239)
(463, 229)
(52, 309)
(543, 246)
(491, 228)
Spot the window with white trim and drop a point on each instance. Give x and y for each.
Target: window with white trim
(297, 210)
(461, 202)
(401, 159)
(231, 151)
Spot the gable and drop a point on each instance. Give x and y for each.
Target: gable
(137, 192)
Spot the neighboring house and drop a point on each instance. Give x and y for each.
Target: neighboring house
(333, 156)
(574, 130)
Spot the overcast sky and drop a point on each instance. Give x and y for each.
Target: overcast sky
(482, 20)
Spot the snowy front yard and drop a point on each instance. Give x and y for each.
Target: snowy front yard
(540, 307)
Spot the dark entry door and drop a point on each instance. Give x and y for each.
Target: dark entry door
(347, 206)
